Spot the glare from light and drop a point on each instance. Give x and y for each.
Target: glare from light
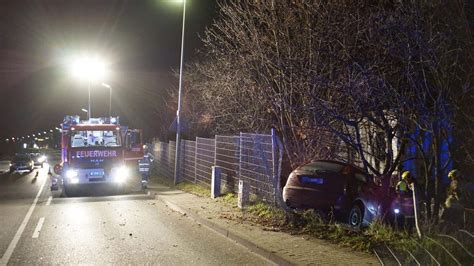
(42, 159)
(120, 174)
(74, 180)
(113, 120)
(84, 110)
(396, 211)
(71, 173)
(25, 145)
(89, 68)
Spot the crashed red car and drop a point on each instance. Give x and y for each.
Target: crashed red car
(346, 190)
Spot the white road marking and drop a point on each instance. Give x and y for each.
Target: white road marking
(37, 231)
(11, 247)
(49, 200)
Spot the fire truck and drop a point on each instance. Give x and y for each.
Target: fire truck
(97, 151)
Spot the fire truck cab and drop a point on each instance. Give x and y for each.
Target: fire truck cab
(97, 151)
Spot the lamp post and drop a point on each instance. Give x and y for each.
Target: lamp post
(110, 98)
(89, 101)
(180, 99)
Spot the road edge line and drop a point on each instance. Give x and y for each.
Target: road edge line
(11, 247)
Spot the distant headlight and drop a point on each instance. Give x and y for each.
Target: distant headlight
(71, 173)
(396, 211)
(120, 174)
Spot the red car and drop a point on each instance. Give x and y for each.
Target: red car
(347, 190)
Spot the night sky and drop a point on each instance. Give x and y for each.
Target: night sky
(140, 38)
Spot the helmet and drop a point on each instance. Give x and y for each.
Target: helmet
(406, 175)
(453, 174)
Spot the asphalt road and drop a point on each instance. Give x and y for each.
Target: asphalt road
(38, 227)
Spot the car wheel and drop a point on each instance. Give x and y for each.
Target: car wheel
(356, 217)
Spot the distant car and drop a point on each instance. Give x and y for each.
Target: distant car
(39, 159)
(22, 162)
(347, 190)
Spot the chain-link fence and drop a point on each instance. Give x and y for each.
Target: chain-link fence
(247, 157)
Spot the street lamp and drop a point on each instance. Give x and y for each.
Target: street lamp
(110, 98)
(180, 99)
(90, 69)
(85, 111)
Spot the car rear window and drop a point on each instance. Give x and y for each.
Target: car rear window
(22, 157)
(322, 167)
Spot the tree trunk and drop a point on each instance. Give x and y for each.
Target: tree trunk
(438, 172)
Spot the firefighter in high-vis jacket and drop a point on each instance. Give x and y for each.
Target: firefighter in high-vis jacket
(405, 185)
(144, 166)
(455, 200)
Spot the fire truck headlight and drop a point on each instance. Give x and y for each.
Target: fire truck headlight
(71, 174)
(121, 174)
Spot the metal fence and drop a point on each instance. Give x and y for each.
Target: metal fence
(164, 154)
(247, 157)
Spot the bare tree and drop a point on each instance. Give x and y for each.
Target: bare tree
(353, 80)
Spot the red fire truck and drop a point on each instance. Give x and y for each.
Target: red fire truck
(97, 151)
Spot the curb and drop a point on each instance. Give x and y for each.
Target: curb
(270, 256)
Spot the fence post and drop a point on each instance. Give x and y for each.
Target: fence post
(277, 161)
(243, 194)
(195, 160)
(239, 175)
(415, 209)
(216, 182)
(274, 166)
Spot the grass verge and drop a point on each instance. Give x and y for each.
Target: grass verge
(184, 186)
(310, 223)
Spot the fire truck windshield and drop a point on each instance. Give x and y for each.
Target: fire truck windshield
(95, 138)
